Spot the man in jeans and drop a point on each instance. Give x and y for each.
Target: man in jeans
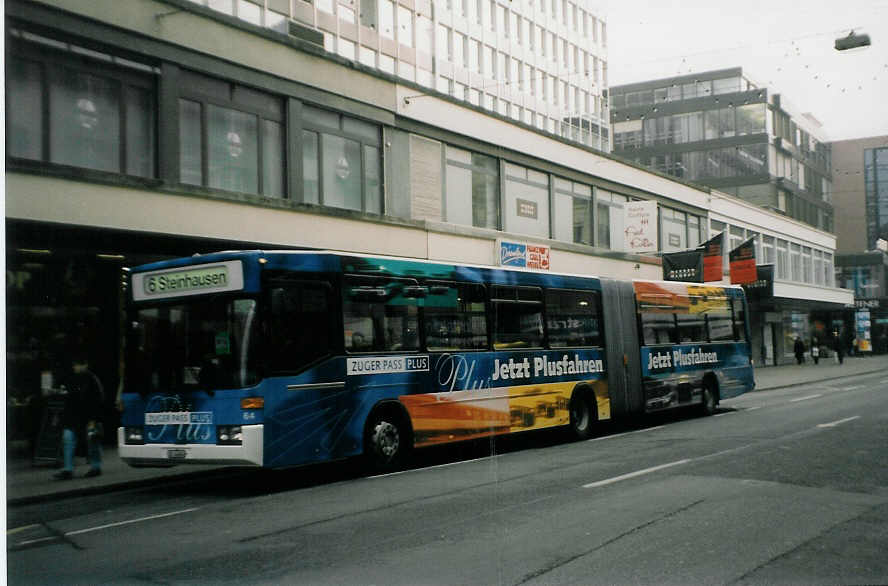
(83, 407)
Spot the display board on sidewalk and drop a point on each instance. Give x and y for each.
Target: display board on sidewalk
(49, 441)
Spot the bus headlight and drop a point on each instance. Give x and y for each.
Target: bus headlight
(229, 435)
(133, 435)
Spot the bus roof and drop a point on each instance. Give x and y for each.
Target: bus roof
(326, 262)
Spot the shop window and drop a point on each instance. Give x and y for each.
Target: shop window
(526, 201)
(72, 110)
(341, 161)
(573, 212)
(233, 140)
(471, 189)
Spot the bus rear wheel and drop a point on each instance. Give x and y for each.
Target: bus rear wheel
(386, 442)
(710, 398)
(581, 416)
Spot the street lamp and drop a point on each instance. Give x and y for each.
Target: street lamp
(852, 41)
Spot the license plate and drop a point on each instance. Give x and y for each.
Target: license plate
(177, 454)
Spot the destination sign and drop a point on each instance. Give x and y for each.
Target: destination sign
(194, 280)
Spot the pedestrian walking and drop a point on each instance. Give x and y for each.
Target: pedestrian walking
(815, 352)
(799, 349)
(840, 353)
(81, 416)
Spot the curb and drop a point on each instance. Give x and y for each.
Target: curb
(797, 383)
(116, 486)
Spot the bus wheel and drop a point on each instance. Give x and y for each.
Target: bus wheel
(386, 442)
(581, 416)
(709, 398)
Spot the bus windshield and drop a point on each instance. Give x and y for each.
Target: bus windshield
(194, 344)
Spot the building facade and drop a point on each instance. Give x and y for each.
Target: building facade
(798, 295)
(161, 128)
(721, 129)
(542, 63)
(860, 176)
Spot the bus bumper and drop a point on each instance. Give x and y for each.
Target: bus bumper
(249, 453)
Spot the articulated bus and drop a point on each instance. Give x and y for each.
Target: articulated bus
(286, 358)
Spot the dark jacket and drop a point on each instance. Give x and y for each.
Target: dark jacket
(83, 400)
(799, 347)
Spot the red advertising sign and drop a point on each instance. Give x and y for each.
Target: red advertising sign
(712, 258)
(742, 263)
(538, 257)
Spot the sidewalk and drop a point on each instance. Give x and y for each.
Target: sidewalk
(27, 483)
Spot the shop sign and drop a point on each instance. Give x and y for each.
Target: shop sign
(521, 254)
(683, 266)
(763, 286)
(867, 303)
(640, 226)
(526, 208)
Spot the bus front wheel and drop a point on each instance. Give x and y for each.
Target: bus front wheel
(581, 416)
(387, 441)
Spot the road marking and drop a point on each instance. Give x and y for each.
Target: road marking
(598, 439)
(445, 465)
(139, 520)
(851, 388)
(883, 381)
(839, 422)
(634, 474)
(752, 408)
(805, 398)
(22, 528)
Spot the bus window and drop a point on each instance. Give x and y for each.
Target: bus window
(379, 316)
(454, 316)
(720, 327)
(517, 317)
(572, 318)
(658, 328)
(299, 328)
(691, 327)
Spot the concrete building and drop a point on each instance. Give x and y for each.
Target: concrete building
(860, 174)
(722, 129)
(144, 130)
(540, 63)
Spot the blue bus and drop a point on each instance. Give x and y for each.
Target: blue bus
(286, 358)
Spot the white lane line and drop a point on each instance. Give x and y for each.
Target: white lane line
(634, 474)
(457, 463)
(752, 408)
(139, 520)
(839, 422)
(598, 439)
(883, 381)
(805, 398)
(851, 388)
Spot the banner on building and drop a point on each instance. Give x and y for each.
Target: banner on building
(521, 254)
(640, 226)
(686, 265)
(763, 286)
(742, 263)
(712, 258)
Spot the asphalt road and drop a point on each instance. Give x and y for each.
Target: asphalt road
(784, 486)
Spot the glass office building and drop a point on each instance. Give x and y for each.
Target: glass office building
(720, 129)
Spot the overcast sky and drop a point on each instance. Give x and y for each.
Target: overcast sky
(783, 45)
